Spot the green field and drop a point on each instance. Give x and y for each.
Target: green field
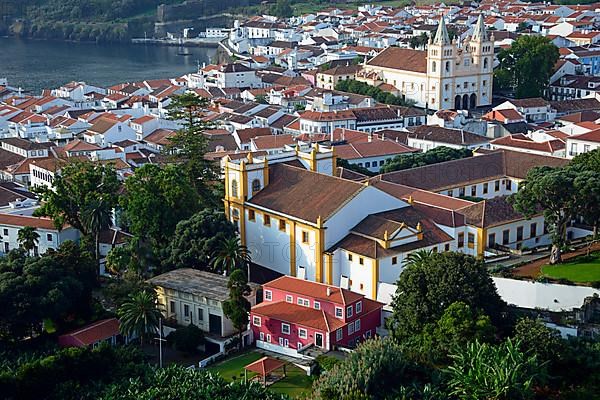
(295, 383)
(582, 269)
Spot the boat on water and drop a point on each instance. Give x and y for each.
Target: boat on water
(184, 53)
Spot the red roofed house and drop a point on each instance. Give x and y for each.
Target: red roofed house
(103, 331)
(298, 314)
(583, 143)
(49, 236)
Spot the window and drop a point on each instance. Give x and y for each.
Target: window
(262, 336)
(505, 236)
(267, 220)
(519, 233)
(186, 310)
(282, 225)
(317, 305)
(251, 215)
(268, 295)
(5, 232)
(49, 237)
(461, 192)
(357, 325)
(350, 329)
(447, 247)
(485, 64)
(473, 190)
(367, 164)
(268, 338)
(447, 66)
(497, 186)
(349, 257)
(6, 247)
(200, 314)
(348, 311)
(285, 328)
(471, 240)
(508, 184)
(485, 188)
(394, 260)
(359, 307)
(303, 302)
(533, 230)
(461, 239)
(255, 186)
(234, 188)
(172, 306)
(491, 239)
(339, 334)
(289, 298)
(302, 333)
(338, 312)
(304, 237)
(361, 261)
(433, 66)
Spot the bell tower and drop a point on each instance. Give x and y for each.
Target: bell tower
(482, 49)
(441, 52)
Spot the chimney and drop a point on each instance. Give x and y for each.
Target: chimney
(328, 291)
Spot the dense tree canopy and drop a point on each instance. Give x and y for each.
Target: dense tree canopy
(526, 67)
(180, 383)
(377, 369)
(426, 290)
(156, 199)
(433, 156)
(198, 239)
(71, 374)
(55, 288)
(237, 307)
(79, 185)
(549, 191)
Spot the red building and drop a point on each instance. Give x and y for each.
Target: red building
(296, 314)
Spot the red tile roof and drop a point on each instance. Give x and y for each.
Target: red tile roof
(91, 334)
(314, 290)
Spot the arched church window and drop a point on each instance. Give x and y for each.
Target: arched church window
(433, 66)
(485, 63)
(234, 188)
(447, 66)
(255, 186)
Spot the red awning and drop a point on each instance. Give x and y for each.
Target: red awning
(264, 366)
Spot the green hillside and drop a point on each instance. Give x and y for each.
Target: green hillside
(85, 20)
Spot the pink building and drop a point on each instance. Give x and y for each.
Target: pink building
(297, 314)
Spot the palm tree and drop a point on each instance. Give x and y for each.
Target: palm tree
(231, 255)
(97, 216)
(140, 315)
(418, 258)
(28, 238)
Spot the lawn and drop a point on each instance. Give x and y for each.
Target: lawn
(295, 383)
(581, 269)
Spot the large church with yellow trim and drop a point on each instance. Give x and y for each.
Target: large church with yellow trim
(297, 218)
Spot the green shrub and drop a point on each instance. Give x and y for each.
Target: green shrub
(186, 339)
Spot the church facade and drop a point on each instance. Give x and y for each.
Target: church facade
(448, 75)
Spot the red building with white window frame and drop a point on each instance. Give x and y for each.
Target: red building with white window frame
(296, 314)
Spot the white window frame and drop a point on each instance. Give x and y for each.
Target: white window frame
(268, 338)
(357, 325)
(268, 295)
(289, 298)
(302, 333)
(341, 312)
(359, 307)
(289, 329)
(261, 335)
(317, 305)
(303, 302)
(256, 318)
(349, 311)
(350, 328)
(339, 334)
